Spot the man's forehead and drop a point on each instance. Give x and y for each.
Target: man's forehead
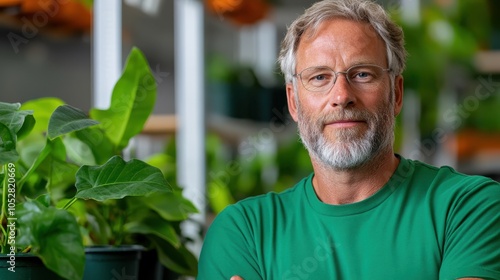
(360, 27)
(341, 33)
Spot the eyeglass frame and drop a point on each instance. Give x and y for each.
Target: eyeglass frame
(389, 70)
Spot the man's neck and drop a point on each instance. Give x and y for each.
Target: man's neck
(345, 187)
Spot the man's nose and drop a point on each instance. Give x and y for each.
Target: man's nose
(341, 94)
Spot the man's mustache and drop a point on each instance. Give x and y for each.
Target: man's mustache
(346, 115)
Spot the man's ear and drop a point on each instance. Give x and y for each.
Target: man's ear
(398, 92)
(291, 98)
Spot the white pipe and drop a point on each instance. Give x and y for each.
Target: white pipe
(190, 111)
(107, 50)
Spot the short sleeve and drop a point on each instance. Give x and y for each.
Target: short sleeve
(229, 248)
(472, 237)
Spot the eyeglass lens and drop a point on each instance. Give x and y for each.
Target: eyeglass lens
(359, 77)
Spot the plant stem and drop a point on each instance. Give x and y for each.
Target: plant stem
(27, 249)
(120, 225)
(21, 181)
(69, 203)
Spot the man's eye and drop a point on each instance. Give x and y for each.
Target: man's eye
(362, 76)
(319, 77)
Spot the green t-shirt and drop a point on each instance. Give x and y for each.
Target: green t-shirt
(425, 223)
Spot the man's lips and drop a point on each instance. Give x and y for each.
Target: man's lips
(345, 123)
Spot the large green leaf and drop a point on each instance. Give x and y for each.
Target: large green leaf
(42, 110)
(132, 102)
(8, 151)
(66, 119)
(18, 121)
(54, 236)
(100, 145)
(14, 124)
(79, 152)
(117, 179)
(171, 206)
(27, 127)
(6, 109)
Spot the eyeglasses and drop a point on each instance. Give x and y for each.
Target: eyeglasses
(360, 77)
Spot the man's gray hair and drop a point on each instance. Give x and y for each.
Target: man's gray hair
(357, 10)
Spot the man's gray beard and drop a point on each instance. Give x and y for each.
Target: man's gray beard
(350, 149)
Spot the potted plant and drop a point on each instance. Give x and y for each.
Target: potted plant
(66, 187)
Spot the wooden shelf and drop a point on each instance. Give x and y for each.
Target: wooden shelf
(234, 130)
(160, 124)
(230, 128)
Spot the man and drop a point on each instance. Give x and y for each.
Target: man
(365, 213)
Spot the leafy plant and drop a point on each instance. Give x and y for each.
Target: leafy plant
(71, 187)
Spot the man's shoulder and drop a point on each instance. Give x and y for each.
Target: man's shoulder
(449, 173)
(448, 179)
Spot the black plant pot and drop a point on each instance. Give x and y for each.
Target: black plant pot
(109, 262)
(150, 268)
(26, 266)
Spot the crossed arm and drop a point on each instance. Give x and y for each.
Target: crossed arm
(236, 277)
